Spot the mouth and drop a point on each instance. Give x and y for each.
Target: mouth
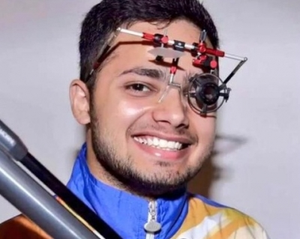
(162, 144)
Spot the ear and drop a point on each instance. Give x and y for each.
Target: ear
(80, 101)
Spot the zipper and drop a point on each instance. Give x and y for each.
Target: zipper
(152, 226)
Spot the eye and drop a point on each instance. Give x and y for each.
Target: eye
(138, 87)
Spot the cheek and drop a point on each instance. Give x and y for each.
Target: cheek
(205, 128)
(123, 112)
(130, 109)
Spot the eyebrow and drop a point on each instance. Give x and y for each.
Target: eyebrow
(157, 74)
(149, 72)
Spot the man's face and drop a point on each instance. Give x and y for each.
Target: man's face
(150, 147)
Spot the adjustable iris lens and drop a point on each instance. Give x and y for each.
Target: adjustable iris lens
(204, 93)
(207, 93)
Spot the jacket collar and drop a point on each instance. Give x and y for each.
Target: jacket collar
(124, 212)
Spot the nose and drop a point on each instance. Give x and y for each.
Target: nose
(172, 109)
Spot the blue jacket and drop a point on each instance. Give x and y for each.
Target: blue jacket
(186, 216)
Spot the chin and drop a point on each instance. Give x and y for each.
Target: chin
(157, 181)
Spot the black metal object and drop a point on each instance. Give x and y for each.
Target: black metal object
(11, 145)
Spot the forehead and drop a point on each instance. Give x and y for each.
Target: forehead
(131, 51)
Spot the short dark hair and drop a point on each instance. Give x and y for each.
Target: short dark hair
(104, 18)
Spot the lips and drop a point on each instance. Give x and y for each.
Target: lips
(164, 147)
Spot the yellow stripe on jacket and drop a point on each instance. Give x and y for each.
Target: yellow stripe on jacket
(205, 221)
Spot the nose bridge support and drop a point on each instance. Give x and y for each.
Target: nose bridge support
(171, 82)
(172, 108)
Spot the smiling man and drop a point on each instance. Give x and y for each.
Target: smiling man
(144, 140)
(133, 142)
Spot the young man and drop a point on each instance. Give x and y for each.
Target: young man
(144, 141)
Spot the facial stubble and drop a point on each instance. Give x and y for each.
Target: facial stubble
(122, 173)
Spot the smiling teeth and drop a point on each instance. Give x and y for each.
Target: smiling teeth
(160, 143)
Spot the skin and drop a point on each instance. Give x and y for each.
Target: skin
(120, 111)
